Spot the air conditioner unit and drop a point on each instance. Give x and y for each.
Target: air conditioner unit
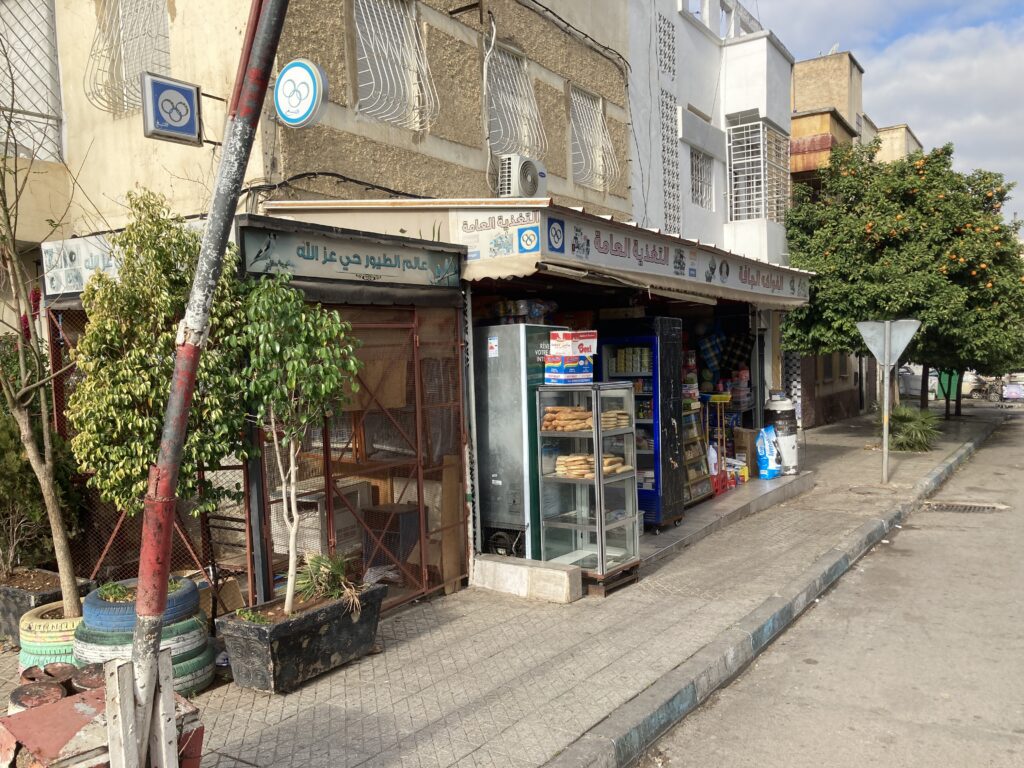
(520, 176)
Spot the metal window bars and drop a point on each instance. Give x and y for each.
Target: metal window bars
(131, 37)
(666, 46)
(393, 78)
(702, 179)
(593, 156)
(670, 161)
(29, 80)
(513, 118)
(759, 185)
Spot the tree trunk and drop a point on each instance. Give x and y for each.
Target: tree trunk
(293, 529)
(949, 386)
(923, 394)
(43, 470)
(959, 393)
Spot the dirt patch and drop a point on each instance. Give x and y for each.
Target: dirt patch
(32, 580)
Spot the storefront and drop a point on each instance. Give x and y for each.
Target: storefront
(691, 330)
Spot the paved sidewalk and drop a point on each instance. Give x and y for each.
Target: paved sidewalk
(481, 679)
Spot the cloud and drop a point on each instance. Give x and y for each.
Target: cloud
(953, 71)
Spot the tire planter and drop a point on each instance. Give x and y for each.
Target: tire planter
(16, 602)
(96, 647)
(279, 657)
(196, 674)
(120, 617)
(45, 640)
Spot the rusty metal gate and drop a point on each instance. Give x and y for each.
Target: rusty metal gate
(383, 481)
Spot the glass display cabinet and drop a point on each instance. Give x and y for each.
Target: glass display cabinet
(588, 492)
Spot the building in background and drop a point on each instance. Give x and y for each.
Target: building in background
(828, 111)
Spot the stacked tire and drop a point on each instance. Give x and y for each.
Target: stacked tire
(44, 639)
(106, 633)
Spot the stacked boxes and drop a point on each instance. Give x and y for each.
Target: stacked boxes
(571, 358)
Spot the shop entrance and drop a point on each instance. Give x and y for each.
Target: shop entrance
(382, 482)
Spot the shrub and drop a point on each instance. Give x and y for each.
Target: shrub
(911, 429)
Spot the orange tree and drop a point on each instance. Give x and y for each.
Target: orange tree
(910, 238)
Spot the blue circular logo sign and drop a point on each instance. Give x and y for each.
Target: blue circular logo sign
(299, 93)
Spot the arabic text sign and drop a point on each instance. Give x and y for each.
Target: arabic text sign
(334, 258)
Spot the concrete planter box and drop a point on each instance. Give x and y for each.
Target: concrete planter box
(15, 602)
(278, 658)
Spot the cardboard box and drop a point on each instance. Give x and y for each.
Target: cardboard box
(572, 369)
(745, 441)
(573, 343)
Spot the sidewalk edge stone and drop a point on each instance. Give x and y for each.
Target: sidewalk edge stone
(623, 736)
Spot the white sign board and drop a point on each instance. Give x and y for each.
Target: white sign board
(300, 93)
(901, 332)
(68, 264)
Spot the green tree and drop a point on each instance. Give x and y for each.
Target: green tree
(301, 363)
(911, 238)
(126, 356)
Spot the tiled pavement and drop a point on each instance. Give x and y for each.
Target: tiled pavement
(481, 679)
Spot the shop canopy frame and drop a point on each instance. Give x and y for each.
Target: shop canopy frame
(520, 237)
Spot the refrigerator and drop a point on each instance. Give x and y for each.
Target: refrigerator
(508, 364)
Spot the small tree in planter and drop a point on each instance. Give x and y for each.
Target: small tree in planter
(301, 362)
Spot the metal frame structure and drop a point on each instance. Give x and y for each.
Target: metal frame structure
(132, 37)
(758, 171)
(702, 179)
(593, 155)
(513, 117)
(29, 71)
(393, 77)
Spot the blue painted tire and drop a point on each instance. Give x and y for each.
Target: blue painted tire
(97, 613)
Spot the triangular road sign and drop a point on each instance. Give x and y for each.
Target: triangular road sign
(902, 331)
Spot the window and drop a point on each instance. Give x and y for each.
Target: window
(666, 46)
(702, 179)
(513, 119)
(28, 52)
(670, 162)
(844, 365)
(593, 156)
(758, 172)
(132, 37)
(393, 78)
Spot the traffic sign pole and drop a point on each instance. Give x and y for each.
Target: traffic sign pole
(886, 373)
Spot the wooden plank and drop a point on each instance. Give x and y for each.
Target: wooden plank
(163, 734)
(122, 742)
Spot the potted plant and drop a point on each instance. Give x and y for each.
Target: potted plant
(336, 622)
(301, 363)
(25, 546)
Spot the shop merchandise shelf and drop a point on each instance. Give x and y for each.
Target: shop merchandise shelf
(657, 344)
(573, 530)
(695, 447)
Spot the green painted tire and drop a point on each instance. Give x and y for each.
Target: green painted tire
(89, 634)
(190, 666)
(26, 660)
(195, 675)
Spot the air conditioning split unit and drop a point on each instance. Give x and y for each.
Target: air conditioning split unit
(520, 176)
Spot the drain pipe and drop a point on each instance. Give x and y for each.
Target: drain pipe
(254, 72)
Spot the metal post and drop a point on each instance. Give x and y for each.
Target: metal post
(159, 505)
(886, 367)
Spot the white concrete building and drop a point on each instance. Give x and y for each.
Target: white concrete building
(710, 103)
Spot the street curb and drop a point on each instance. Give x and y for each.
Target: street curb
(623, 736)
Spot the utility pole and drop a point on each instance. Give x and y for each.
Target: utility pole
(263, 32)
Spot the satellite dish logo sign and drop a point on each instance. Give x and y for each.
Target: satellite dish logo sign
(171, 110)
(300, 93)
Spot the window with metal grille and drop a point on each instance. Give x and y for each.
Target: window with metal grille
(702, 179)
(593, 156)
(513, 118)
(758, 172)
(393, 78)
(30, 111)
(670, 162)
(132, 37)
(666, 46)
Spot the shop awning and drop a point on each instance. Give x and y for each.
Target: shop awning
(514, 237)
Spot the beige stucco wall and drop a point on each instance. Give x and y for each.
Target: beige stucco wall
(44, 190)
(897, 142)
(110, 156)
(450, 158)
(828, 81)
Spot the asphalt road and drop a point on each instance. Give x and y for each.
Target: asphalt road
(916, 658)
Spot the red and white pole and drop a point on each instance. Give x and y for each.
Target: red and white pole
(266, 19)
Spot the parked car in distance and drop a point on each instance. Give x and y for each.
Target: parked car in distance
(909, 378)
(974, 386)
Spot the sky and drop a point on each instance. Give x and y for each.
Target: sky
(953, 71)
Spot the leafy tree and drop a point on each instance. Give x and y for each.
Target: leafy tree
(126, 356)
(302, 362)
(911, 238)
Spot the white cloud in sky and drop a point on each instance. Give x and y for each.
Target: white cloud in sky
(953, 71)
